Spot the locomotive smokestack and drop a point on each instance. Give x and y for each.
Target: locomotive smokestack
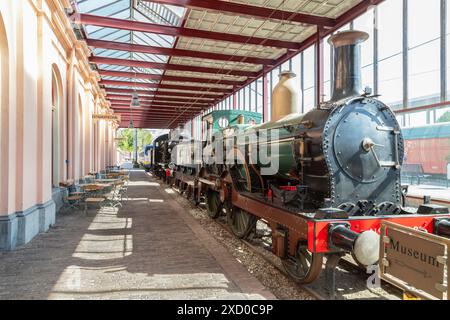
(347, 63)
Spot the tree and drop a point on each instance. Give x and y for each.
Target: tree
(126, 144)
(444, 118)
(144, 138)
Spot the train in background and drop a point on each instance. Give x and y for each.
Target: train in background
(156, 156)
(148, 157)
(338, 172)
(427, 151)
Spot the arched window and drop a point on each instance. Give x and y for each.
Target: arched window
(56, 109)
(4, 117)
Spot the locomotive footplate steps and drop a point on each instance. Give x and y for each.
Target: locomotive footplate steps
(330, 269)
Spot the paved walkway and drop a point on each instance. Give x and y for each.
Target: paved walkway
(150, 249)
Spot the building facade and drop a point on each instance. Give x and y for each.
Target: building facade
(48, 95)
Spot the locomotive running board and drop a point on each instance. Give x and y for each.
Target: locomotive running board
(268, 212)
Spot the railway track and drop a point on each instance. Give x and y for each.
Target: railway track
(257, 250)
(348, 275)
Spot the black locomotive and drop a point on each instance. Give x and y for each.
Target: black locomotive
(337, 177)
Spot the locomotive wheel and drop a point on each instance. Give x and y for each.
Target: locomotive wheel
(305, 267)
(213, 204)
(240, 222)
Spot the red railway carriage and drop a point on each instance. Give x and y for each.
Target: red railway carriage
(428, 147)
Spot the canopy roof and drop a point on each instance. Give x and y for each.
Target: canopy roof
(184, 56)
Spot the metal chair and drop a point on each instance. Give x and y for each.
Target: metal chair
(73, 202)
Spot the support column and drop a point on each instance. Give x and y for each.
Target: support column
(444, 50)
(45, 205)
(319, 67)
(135, 145)
(27, 153)
(8, 221)
(375, 51)
(265, 97)
(70, 116)
(405, 54)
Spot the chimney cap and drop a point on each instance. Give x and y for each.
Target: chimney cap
(287, 73)
(346, 38)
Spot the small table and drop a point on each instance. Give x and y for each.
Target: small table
(92, 188)
(106, 180)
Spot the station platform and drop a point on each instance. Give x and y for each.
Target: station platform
(151, 248)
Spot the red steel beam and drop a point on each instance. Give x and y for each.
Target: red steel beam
(157, 94)
(147, 76)
(161, 101)
(156, 113)
(154, 108)
(113, 45)
(150, 117)
(342, 20)
(108, 22)
(173, 67)
(161, 86)
(119, 108)
(153, 114)
(128, 98)
(250, 10)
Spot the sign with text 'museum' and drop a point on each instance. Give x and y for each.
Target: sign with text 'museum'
(108, 117)
(414, 261)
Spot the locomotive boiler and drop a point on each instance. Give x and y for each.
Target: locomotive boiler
(347, 153)
(337, 173)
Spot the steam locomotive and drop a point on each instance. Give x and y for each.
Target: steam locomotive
(337, 177)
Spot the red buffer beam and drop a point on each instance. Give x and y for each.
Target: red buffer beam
(146, 76)
(112, 45)
(108, 22)
(249, 10)
(174, 67)
(161, 86)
